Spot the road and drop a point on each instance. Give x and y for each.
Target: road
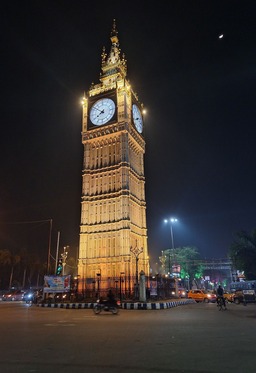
(190, 339)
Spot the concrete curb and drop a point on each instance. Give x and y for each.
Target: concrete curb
(126, 306)
(156, 305)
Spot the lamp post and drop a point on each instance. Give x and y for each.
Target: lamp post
(121, 280)
(83, 263)
(136, 252)
(93, 287)
(64, 256)
(98, 282)
(76, 284)
(171, 221)
(116, 282)
(49, 248)
(128, 281)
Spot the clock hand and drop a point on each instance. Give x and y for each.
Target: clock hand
(101, 112)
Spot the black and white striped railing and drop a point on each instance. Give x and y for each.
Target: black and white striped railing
(127, 306)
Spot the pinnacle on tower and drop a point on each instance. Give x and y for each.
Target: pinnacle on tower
(114, 33)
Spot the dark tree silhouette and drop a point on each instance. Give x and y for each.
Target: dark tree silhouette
(242, 252)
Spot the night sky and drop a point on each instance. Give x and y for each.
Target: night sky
(199, 92)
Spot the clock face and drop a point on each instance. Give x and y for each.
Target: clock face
(102, 111)
(137, 118)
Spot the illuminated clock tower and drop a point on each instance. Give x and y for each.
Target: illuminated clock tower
(113, 230)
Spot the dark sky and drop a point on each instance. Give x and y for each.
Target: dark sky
(199, 92)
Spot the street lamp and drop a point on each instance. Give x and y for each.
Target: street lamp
(136, 252)
(64, 256)
(171, 221)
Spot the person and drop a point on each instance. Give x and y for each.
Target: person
(220, 295)
(111, 298)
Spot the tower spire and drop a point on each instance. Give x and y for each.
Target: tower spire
(112, 63)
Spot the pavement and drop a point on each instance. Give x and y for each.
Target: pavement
(158, 305)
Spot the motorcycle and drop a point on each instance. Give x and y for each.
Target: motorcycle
(102, 305)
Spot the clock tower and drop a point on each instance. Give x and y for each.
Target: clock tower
(113, 230)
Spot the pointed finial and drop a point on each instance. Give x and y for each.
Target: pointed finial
(114, 33)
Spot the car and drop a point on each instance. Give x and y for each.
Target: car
(13, 295)
(200, 295)
(2, 292)
(244, 296)
(229, 297)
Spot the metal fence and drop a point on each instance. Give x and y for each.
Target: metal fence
(124, 288)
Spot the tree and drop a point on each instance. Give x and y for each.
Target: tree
(5, 260)
(5, 257)
(37, 269)
(187, 258)
(20, 269)
(242, 253)
(15, 259)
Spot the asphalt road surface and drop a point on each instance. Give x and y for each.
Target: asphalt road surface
(190, 339)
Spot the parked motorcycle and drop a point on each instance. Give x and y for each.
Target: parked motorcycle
(105, 306)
